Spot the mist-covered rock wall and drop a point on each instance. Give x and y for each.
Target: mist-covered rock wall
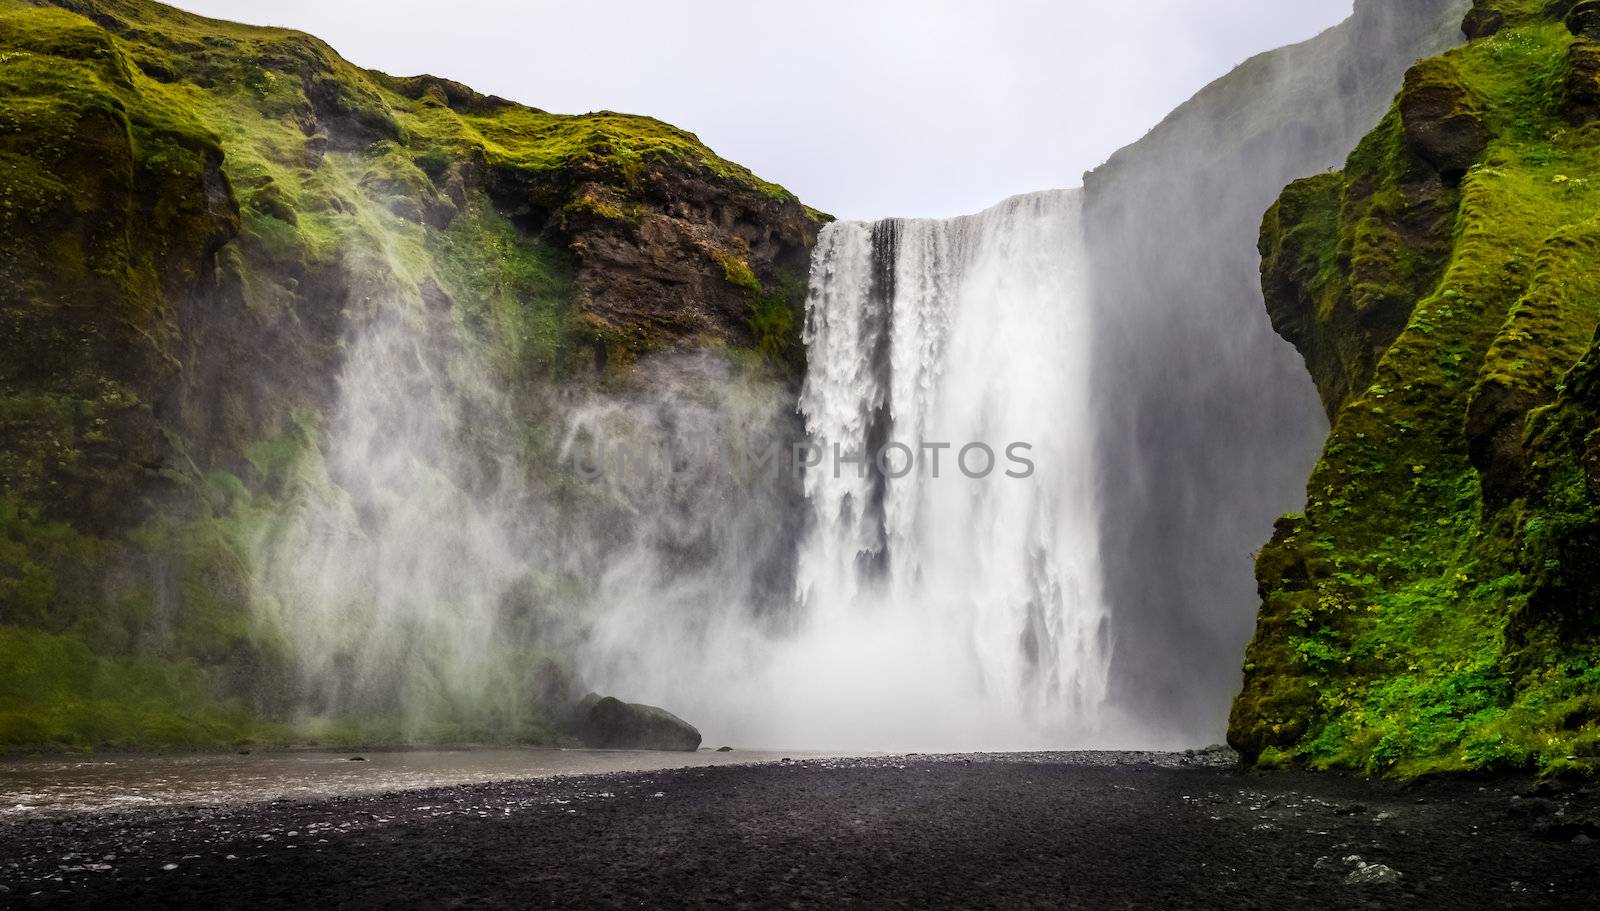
(1207, 421)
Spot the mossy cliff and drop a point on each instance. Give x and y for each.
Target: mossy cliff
(1206, 422)
(1437, 607)
(196, 216)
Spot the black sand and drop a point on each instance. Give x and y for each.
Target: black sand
(1036, 831)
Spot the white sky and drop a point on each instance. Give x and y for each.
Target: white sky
(864, 108)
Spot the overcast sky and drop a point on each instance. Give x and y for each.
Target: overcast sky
(865, 108)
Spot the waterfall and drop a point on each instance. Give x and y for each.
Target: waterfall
(928, 580)
(943, 609)
(876, 605)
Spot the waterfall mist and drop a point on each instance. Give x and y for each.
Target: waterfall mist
(407, 579)
(463, 557)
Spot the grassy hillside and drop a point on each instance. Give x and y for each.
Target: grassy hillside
(1437, 607)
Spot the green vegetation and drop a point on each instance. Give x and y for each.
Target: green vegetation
(56, 693)
(775, 313)
(511, 291)
(1434, 609)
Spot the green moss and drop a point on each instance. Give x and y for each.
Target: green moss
(738, 274)
(512, 292)
(531, 140)
(1428, 613)
(56, 693)
(774, 312)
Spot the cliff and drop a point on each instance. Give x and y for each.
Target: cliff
(199, 216)
(1437, 605)
(1207, 424)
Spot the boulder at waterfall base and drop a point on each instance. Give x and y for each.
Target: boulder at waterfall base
(611, 724)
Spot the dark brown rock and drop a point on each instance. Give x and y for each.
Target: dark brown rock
(1482, 21)
(1494, 426)
(660, 250)
(1582, 81)
(1583, 19)
(1443, 124)
(611, 724)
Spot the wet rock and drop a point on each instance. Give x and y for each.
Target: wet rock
(1533, 807)
(1582, 81)
(1366, 874)
(611, 724)
(1443, 124)
(1482, 21)
(724, 749)
(1584, 19)
(1566, 828)
(357, 759)
(1547, 787)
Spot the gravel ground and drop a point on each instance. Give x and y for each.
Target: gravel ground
(1071, 830)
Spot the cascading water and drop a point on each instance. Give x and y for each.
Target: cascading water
(871, 607)
(942, 609)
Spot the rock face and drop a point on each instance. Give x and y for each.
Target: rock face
(1210, 426)
(149, 252)
(611, 724)
(1435, 607)
(199, 217)
(1442, 120)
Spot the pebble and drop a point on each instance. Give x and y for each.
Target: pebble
(1373, 874)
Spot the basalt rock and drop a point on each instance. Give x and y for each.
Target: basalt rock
(1582, 80)
(1483, 21)
(1443, 123)
(611, 724)
(1583, 19)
